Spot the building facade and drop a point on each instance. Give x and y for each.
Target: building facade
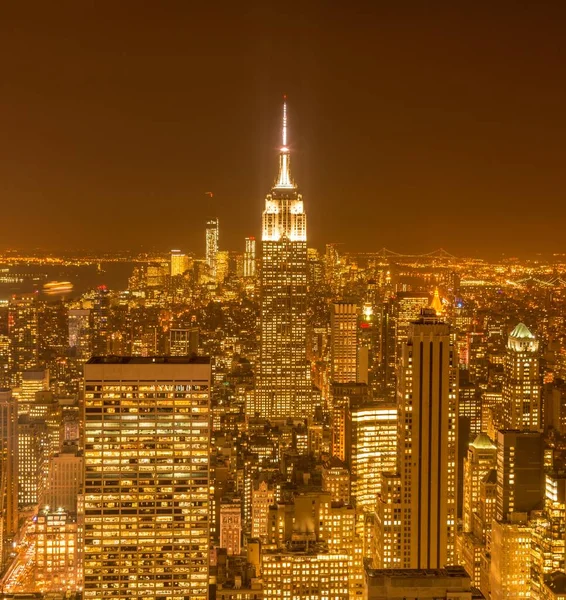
(146, 489)
(427, 446)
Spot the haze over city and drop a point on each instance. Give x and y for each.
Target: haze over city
(411, 127)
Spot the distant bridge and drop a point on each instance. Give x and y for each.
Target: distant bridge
(440, 253)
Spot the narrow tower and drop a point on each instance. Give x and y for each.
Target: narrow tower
(521, 381)
(427, 397)
(283, 384)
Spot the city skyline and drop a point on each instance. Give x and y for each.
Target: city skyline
(141, 113)
(364, 397)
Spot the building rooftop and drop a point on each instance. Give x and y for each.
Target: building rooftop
(482, 442)
(522, 332)
(456, 572)
(148, 360)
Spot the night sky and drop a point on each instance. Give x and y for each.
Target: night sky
(413, 125)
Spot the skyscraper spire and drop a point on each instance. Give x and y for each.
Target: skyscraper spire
(284, 178)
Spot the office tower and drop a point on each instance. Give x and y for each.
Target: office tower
(283, 379)
(65, 479)
(427, 443)
(249, 257)
(470, 407)
(33, 454)
(33, 381)
(179, 263)
(146, 488)
(440, 584)
(80, 333)
(481, 459)
(520, 472)
(56, 551)
(471, 544)
(8, 473)
(100, 321)
(183, 342)
(521, 381)
(211, 246)
(222, 265)
(373, 449)
(344, 342)
(231, 526)
(23, 334)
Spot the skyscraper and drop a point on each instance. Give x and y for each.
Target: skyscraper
(283, 382)
(521, 381)
(80, 334)
(344, 342)
(179, 263)
(23, 333)
(249, 257)
(372, 450)
(146, 485)
(428, 418)
(211, 245)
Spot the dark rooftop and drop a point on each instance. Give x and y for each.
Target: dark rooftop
(193, 359)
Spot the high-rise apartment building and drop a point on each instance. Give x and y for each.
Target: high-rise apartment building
(146, 488)
(211, 245)
(283, 379)
(249, 257)
(23, 333)
(344, 342)
(521, 381)
(427, 443)
(8, 473)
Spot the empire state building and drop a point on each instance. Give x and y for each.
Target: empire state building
(283, 382)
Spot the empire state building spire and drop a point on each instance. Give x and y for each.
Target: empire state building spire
(283, 383)
(284, 180)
